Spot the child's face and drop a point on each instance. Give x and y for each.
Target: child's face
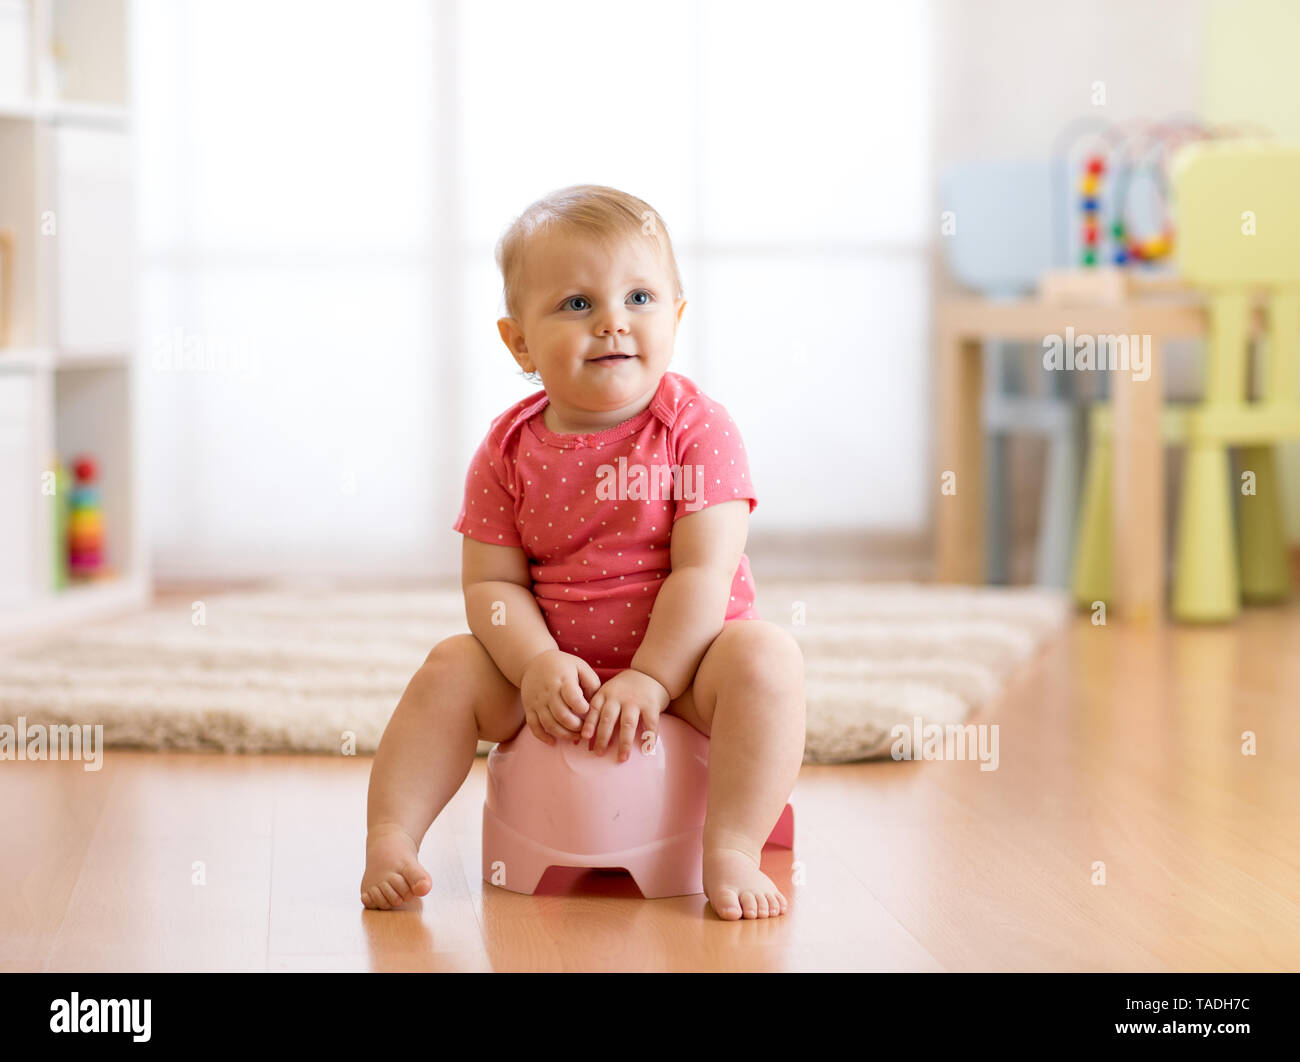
(581, 302)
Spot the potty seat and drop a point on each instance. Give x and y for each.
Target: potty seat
(562, 805)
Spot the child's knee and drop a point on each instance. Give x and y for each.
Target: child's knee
(762, 651)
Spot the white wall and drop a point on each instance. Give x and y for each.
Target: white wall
(323, 184)
(1013, 73)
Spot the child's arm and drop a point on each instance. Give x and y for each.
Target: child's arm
(691, 605)
(492, 574)
(553, 685)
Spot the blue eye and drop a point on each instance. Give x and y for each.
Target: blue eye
(568, 303)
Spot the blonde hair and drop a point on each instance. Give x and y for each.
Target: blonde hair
(595, 210)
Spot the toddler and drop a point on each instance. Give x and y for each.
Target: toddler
(605, 582)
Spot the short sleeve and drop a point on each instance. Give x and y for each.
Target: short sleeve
(715, 466)
(488, 510)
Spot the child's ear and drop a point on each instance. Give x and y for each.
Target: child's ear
(513, 338)
(681, 305)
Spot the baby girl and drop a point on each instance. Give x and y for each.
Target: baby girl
(605, 582)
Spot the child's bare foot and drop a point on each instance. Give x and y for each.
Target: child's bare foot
(737, 888)
(393, 873)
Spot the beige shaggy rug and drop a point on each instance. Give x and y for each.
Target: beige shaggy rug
(299, 669)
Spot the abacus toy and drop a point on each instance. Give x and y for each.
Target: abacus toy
(1090, 187)
(1114, 156)
(85, 522)
(1128, 248)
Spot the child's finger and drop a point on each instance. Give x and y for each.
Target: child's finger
(588, 678)
(535, 725)
(593, 716)
(627, 731)
(574, 700)
(571, 723)
(605, 729)
(553, 725)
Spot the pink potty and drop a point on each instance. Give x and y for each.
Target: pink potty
(562, 805)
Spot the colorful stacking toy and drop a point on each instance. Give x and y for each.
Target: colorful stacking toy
(85, 521)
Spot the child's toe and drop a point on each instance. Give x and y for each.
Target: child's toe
(728, 905)
(414, 879)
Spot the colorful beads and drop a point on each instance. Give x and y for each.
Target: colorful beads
(1155, 247)
(1090, 186)
(1127, 248)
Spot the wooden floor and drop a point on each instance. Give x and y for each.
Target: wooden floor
(1116, 748)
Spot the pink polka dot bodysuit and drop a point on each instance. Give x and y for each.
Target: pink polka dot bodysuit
(594, 512)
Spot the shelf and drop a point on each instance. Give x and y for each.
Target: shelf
(72, 113)
(40, 359)
(66, 111)
(25, 359)
(68, 372)
(22, 111)
(92, 359)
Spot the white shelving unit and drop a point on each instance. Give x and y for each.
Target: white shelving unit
(68, 359)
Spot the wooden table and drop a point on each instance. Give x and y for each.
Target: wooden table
(962, 325)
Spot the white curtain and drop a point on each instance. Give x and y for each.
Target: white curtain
(322, 185)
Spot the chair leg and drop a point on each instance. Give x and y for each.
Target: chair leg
(1205, 574)
(995, 509)
(1056, 509)
(1092, 544)
(1262, 541)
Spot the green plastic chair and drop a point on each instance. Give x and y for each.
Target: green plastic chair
(1237, 209)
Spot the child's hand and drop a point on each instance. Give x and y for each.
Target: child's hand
(554, 689)
(631, 696)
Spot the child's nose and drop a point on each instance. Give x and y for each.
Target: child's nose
(614, 322)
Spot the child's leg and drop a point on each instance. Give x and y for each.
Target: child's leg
(428, 747)
(748, 696)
